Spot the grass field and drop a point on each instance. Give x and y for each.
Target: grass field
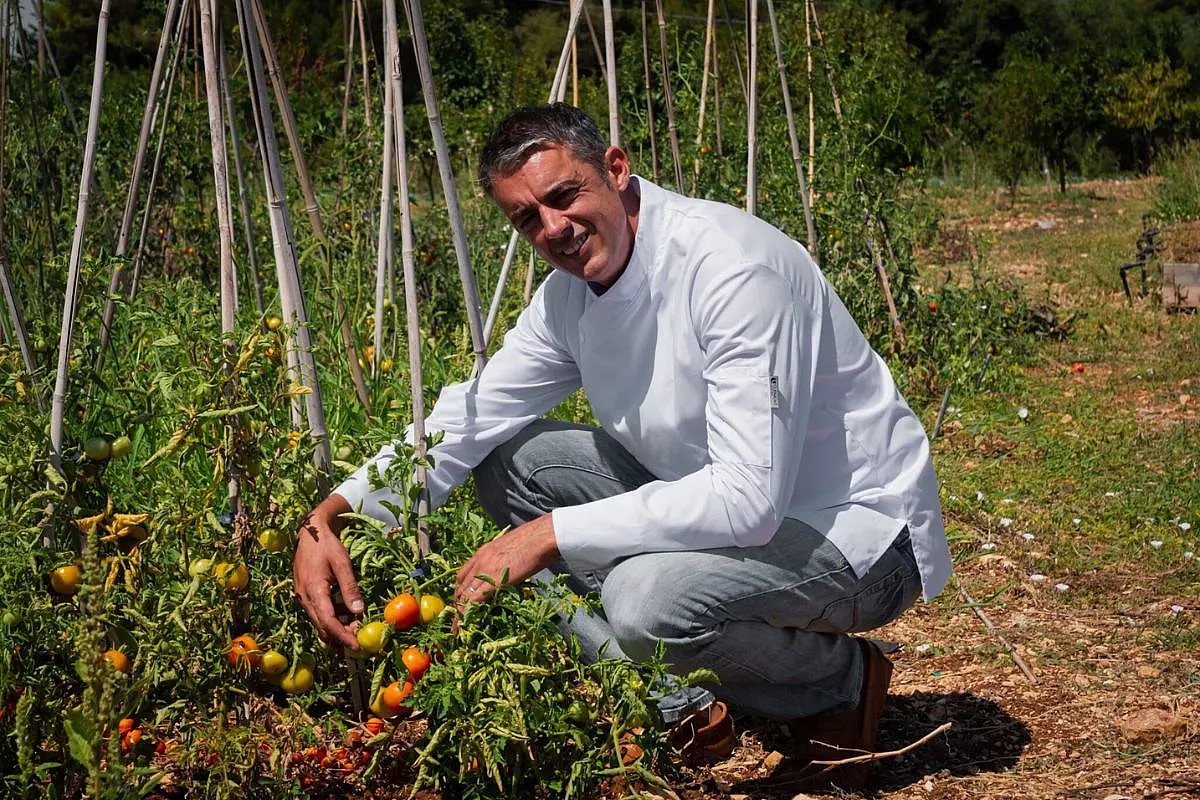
(1073, 507)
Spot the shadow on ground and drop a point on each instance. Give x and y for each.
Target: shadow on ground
(983, 737)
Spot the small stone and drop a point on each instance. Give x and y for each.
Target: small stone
(979, 496)
(772, 761)
(1151, 725)
(1156, 543)
(1110, 494)
(1185, 526)
(1189, 555)
(1178, 609)
(1062, 587)
(1005, 522)
(1147, 671)
(1027, 536)
(1037, 577)
(988, 546)
(1023, 412)
(1076, 520)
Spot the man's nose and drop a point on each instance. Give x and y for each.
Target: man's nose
(555, 223)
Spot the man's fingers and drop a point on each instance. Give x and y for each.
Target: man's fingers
(321, 613)
(343, 572)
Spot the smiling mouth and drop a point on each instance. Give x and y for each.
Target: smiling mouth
(575, 245)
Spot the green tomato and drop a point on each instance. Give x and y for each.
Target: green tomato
(97, 448)
(273, 540)
(121, 447)
(372, 637)
(201, 566)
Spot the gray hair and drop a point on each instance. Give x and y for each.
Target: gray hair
(529, 129)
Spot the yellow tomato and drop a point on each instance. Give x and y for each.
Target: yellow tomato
(300, 678)
(274, 663)
(431, 606)
(65, 580)
(273, 540)
(232, 577)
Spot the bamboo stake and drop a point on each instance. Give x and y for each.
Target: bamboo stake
(384, 243)
(81, 212)
(260, 305)
(752, 113)
(51, 238)
(366, 77)
(737, 55)
(45, 52)
(412, 320)
(287, 268)
(529, 277)
(672, 130)
(15, 315)
(837, 101)
(220, 163)
(812, 109)
(575, 66)
(884, 283)
(461, 250)
(797, 158)
(555, 88)
(40, 19)
(149, 113)
(158, 150)
(614, 108)
(649, 96)
(587, 17)
(717, 118)
(347, 81)
(708, 41)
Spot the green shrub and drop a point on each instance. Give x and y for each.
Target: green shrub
(1178, 196)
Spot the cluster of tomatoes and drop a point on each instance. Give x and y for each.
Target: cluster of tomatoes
(133, 740)
(272, 666)
(403, 612)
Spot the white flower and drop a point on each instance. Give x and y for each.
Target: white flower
(922, 648)
(1156, 543)
(988, 546)
(1005, 522)
(1037, 577)
(1062, 587)
(1077, 520)
(1023, 412)
(1029, 537)
(953, 498)
(1008, 501)
(1185, 526)
(1110, 494)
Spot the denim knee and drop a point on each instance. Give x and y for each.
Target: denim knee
(643, 610)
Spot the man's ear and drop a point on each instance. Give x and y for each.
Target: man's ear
(616, 163)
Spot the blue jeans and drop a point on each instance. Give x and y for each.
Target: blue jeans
(772, 622)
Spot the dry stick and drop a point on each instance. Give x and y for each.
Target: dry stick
(717, 90)
(979, 612)
(135, 178)
(666, 76)
(816, 21)
(752, 113)
(291, 291)
(529, 276)
(649, 96)
(220, 163)
(158, 151)
(310, 199)
(366, 75)
(412, 320)
(737, 56)
(812, 109)
(610, 58)
(449, 188)
(81, 213)
(575, 66)
(867, 757)
(555, 89)
(41, 153)
(15, 315)
(708, 42)
(791, 121)
(383, 264)
(260, 304)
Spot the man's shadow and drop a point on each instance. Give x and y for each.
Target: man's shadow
(983, 737)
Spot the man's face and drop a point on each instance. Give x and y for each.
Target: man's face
(574, 217)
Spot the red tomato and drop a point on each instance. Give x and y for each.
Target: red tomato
(403, 612)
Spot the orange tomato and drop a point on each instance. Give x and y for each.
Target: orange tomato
(393, 696)
(65, 580)
(403, 611)
(125, 726)
(115, 659)
(244, 653)
(417, 661)
(375, 726)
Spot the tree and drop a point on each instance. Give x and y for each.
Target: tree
(1147, 96)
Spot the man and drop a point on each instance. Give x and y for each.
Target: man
(757, 489)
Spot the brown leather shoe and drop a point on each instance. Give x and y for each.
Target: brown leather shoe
(833, 737)
(706, 735)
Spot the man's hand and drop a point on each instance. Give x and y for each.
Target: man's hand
(321, 563)
(521, 552)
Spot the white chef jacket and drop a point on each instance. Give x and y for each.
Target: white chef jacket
(726, 364)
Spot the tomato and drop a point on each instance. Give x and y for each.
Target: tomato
(431, 606)
(10, 619)
(120, 447)
(389, 702)
(372, 637)
(374, 726)
(300, 678)
(125, 726)
(253, 466)
(403, 611)
(274, 323)
(417, 661)
(244, 653)
(130, 740)
(115, 659)
(201, 566)
(65, 580)
(344, 452)
(97, 448)
(232, 577)
(369, 353)
(385, 365)
(274, 663)
(273, 540)
(579, 713)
